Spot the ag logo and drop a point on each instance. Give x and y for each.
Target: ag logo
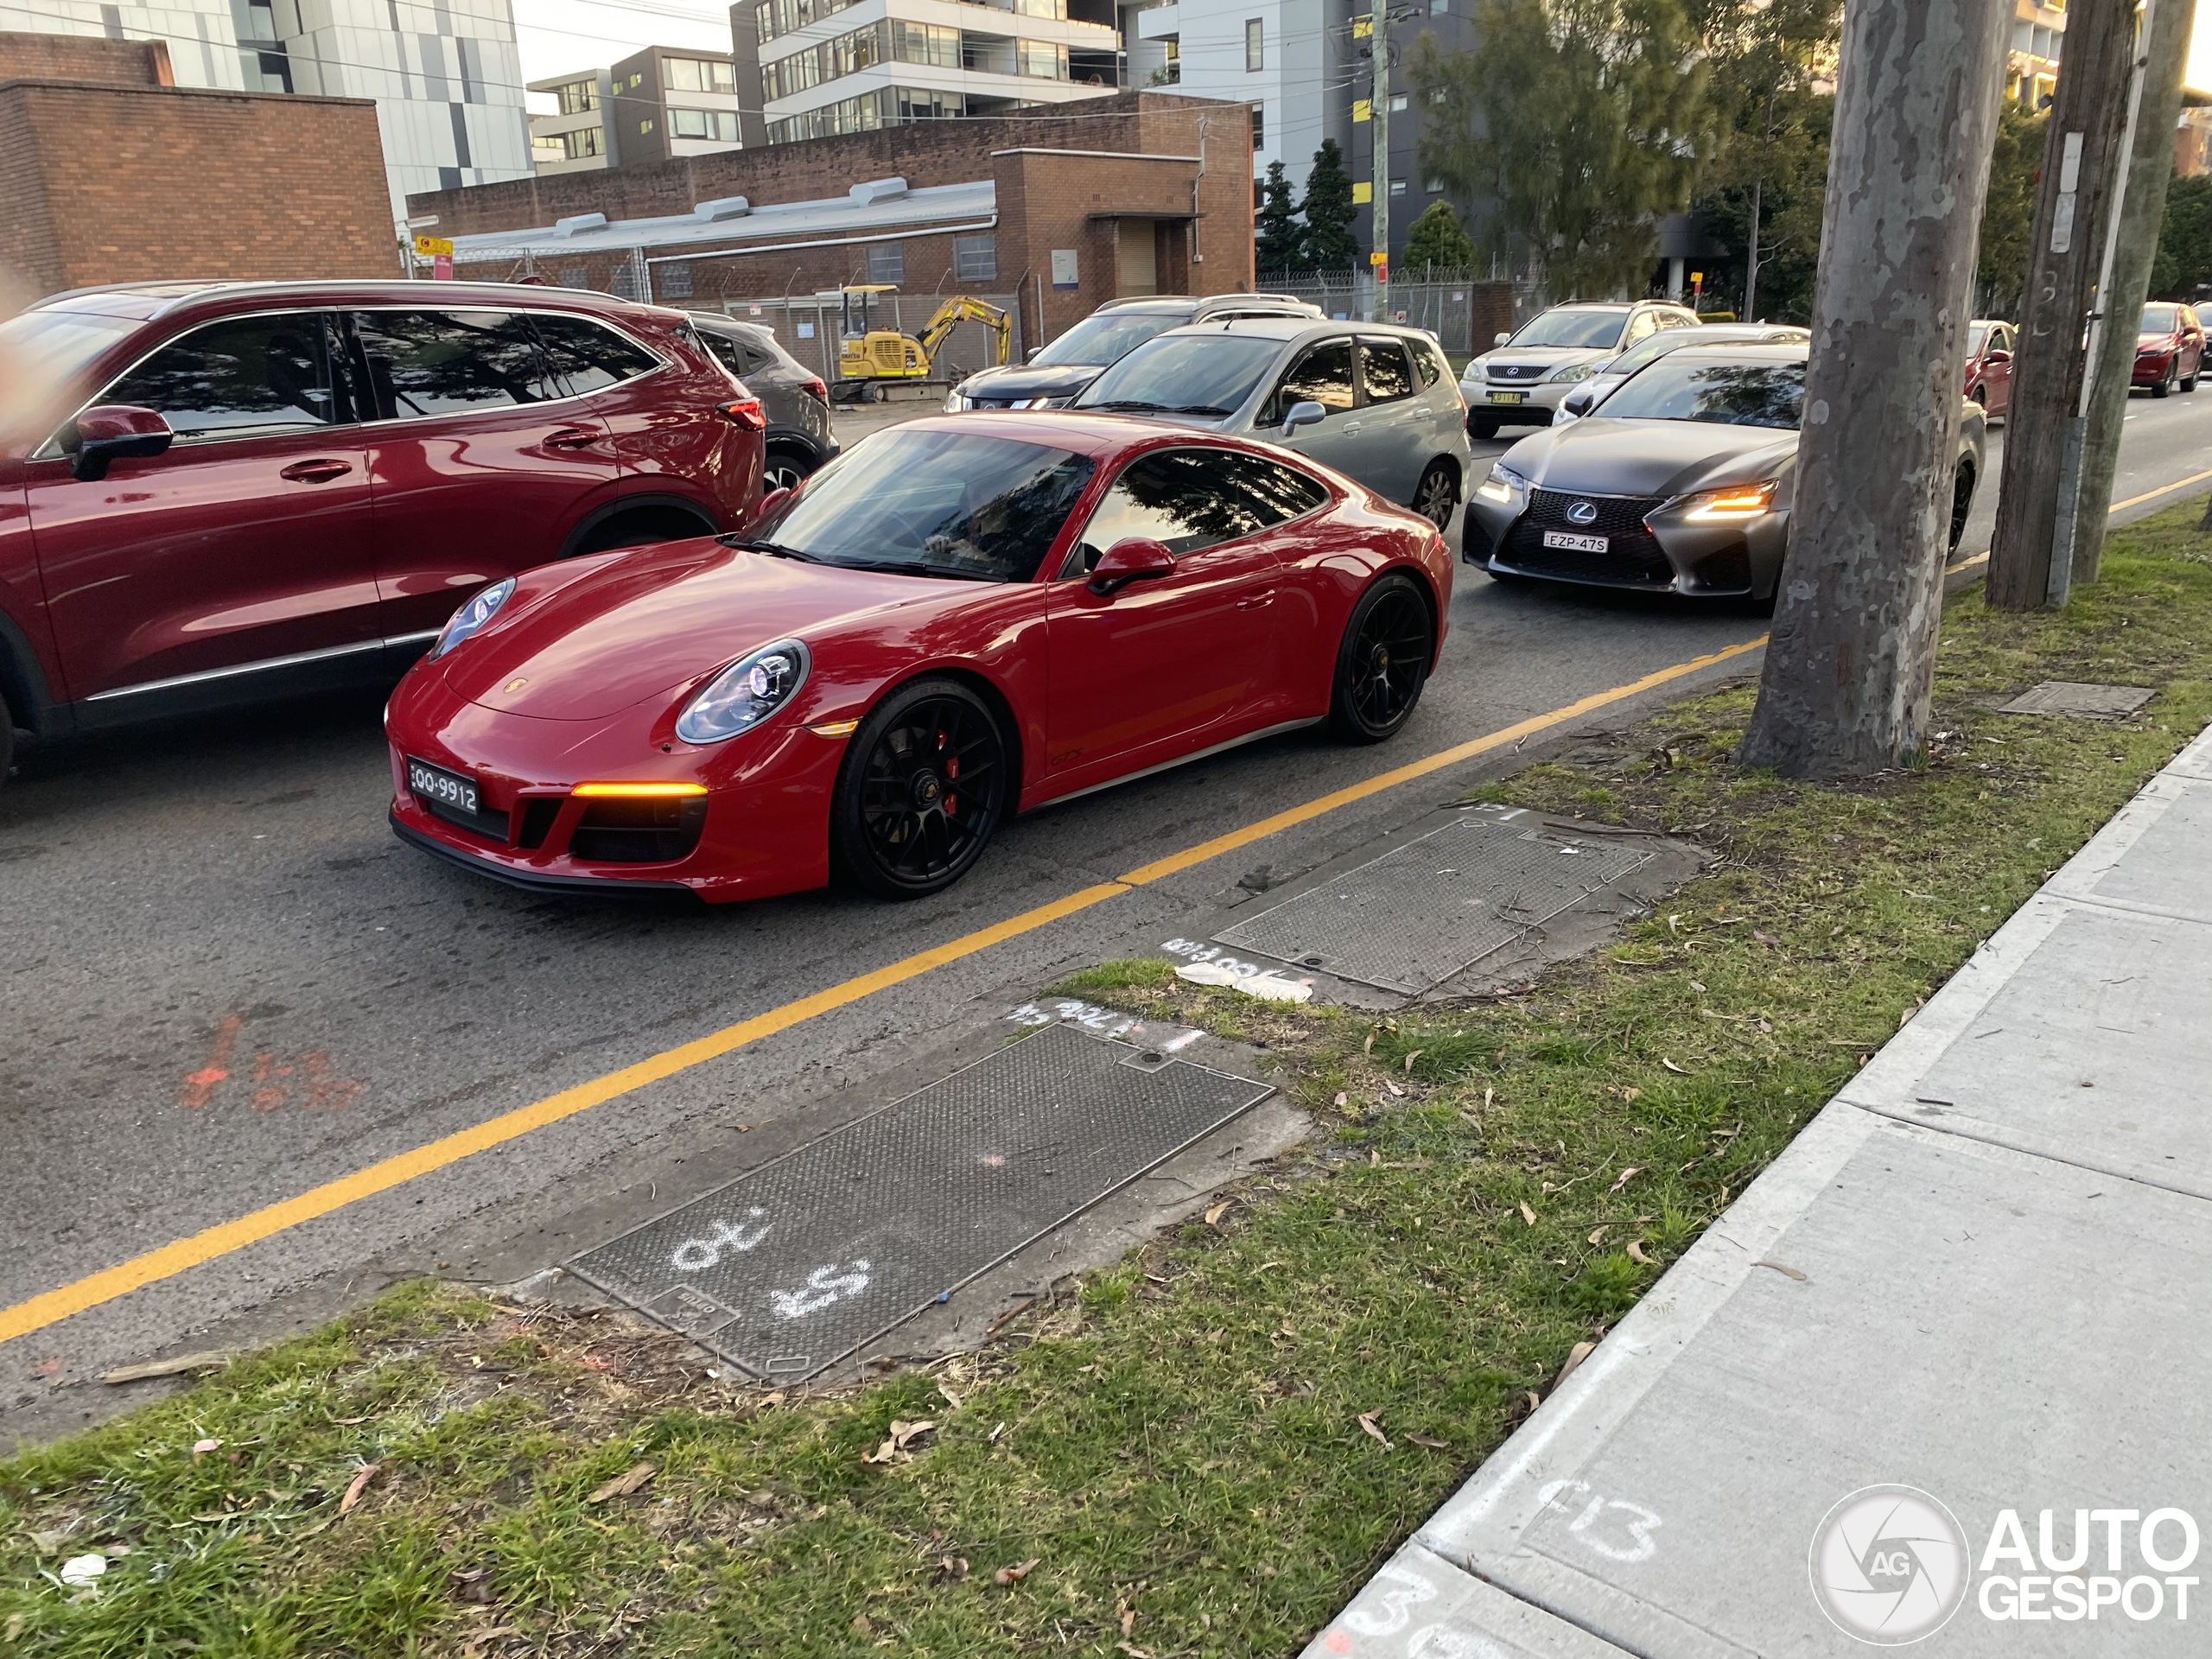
(1889, 1565)
(1583, 512)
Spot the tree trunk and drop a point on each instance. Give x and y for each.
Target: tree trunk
(2142, 214)
(2042, 431)
(1853, 657)
(1752, 263)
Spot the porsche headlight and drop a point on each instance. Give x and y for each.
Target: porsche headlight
(1501, 484)
(1737, 502)
(1572, 372)
(473, 616)
(745, 694)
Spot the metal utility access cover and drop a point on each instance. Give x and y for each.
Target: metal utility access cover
(2071, 697)
(792, 1267)
(1426, 910)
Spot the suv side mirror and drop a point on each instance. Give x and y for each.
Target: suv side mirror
(770, 502)
(1577, 402)
(1503, 339)
(1998, 354)
(1307, 414)
(1131, 559)
(1030, 356)
(113, 432)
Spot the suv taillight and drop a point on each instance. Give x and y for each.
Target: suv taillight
(815, 389)
(745, 414)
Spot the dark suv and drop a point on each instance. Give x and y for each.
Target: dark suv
(1055, 373)
(212, 493)
(793, 396)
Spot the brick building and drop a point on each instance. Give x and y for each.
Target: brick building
(1139, 191)
(110, 173)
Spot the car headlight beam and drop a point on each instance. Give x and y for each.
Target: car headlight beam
(745, 694)
(471, 617)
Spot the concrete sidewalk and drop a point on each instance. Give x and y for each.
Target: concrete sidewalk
(1981, 1272)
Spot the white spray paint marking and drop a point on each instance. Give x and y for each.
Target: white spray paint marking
(832, 1283)
(1401, 1588)
(697, 1254)
(1107, 1022)
(1599, 1526)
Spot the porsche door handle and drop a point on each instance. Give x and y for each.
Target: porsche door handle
(316, 471)
(571, 437)
(1254, 601)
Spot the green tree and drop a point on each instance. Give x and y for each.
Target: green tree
(1329, 245)
(1436, 237)
(1584, 121)
(2184, 260)
(1278, 242)
(2008, 217)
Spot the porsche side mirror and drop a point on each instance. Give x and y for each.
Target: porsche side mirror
(770, 501)
(1131, 559)
(113, 432)
(1303, 415)
(1503, 339)
(1577, 402)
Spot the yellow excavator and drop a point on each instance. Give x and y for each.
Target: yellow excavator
(868, 357)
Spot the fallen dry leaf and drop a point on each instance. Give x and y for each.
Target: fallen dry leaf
(1625, 1175)
(1375, 1430)
(359, 1483)
(1006, 1576)
(903, 1434)
(1343, 1101)
(952, 1567)
(861, 1626)
(1368, 1046)
(1765, 939)
(1415, 1055)
(1785, 1270)
(1632, 1093)
(1128, 1619)
(1132, 1650)
(623, 1484)
(199, 1446)
(1635, 1253)
(951, 1399)
(1527, 1214)
(1599, 1233)
(1393, 1088)
(1433, 1444)
(1214, 1214)
(1575, 1356)
(1531, 1396)
(1671, 1066)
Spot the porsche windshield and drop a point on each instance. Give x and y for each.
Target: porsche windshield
(1685, 387)
(930, 504)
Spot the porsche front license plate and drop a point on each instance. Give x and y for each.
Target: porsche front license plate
(1574, 544)
(1508, 396)
(437, 784)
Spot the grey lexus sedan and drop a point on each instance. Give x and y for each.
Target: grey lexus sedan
(1681, 482)
(1376, 402)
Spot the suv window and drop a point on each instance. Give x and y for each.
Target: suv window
(589, 356)
(424, 363)
(1642, 325)
(1186, 499)
(1383, 366)
(739, 358)
(1323, 375)
(246, 377)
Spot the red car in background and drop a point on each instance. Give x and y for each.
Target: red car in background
(215, 493)
(2168, 349)
(1989, 365)
(957, 619)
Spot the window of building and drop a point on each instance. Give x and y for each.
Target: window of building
(1255, 55)
(1040, 59)
(923, 103)
(1259, 127)
(719, 125)
(674, 281)
(781, 17)
(698, 75)
(862, 114)
(577, 145)
(929, 43)
(575, 97)
(1397, 187)
(243, 379)
(1054, 8)
(886, 262)
(975, 258)
(1432, 186)
(575, 276)
(1397, 102)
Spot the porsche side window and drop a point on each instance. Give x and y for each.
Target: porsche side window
(1186, 499)
(1277, 494)
(1323, 375)
(246, 378)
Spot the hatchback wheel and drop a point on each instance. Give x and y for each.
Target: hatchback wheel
(1436, 494)
(1383, 662)
(922, 788)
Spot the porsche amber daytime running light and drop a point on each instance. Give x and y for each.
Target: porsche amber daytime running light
(637, 792)
(1741, 501)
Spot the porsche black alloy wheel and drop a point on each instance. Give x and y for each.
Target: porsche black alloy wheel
(1383, 662)
(921, 790)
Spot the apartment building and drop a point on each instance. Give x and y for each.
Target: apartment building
(2038, 33)
(445, 74)
(577, 133)
(831, 66)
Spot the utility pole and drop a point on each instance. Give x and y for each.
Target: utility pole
(2030, 564)
(2162, 46)
(1378, 114)
(1852, 660)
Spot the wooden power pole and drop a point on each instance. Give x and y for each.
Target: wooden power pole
(2031, 563)
(1853, 657)
(2161, 49)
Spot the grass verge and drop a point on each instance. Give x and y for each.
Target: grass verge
(1204, 1449)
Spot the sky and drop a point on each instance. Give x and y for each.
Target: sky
(560, 35)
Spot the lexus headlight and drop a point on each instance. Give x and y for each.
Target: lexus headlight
(473, 616)
(1572, 372)
(1501, 484)
(1737, 502)
(745, 694)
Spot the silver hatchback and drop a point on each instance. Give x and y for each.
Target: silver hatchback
(1375, 401)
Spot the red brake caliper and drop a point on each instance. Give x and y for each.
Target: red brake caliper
(952, 771)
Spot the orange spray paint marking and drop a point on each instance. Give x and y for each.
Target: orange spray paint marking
(201, 1083)
(327, 1090)
(268, 1074)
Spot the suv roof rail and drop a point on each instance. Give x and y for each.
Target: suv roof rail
(1271, 305)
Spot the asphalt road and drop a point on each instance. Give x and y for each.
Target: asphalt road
(226, 983)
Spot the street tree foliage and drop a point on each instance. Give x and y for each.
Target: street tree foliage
(2008, 217)
(2183, 265)
(1772, 86)
(1436, 239)
(1279, 240)
(1329, 243)
(1583, 121)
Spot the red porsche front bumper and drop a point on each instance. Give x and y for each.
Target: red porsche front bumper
(753, 823)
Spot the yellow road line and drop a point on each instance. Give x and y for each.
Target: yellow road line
(2164, 489)
(37, 1312)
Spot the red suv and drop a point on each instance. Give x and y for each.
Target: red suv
(212, 493)
(2169, 348)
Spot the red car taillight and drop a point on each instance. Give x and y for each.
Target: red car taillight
(745, 414)
(816, 389)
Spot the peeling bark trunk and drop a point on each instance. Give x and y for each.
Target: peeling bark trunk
(1853, 657)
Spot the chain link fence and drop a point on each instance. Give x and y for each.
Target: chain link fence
(1465, 310)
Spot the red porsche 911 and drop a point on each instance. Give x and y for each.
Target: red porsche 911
(955, 621)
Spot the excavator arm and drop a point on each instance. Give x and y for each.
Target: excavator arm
(963, 308)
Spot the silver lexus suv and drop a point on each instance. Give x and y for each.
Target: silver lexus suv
(1530, 373)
